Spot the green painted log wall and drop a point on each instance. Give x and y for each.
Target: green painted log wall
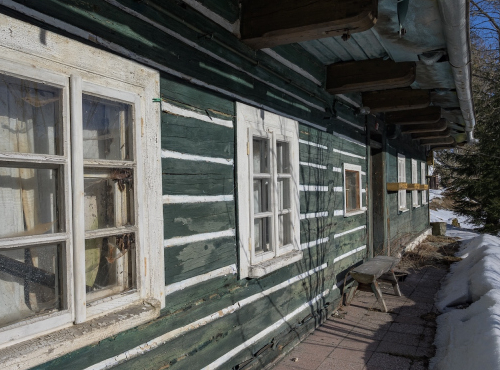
(404, 226)
(199, 347)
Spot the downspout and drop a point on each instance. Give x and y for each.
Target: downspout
(455, 16)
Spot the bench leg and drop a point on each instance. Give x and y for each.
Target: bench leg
(350, 293)
(378, 294)
(395, 285)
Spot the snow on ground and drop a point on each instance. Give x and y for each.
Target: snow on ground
(435, 193)
(468, 336)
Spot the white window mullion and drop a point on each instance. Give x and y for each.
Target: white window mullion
(414, 180)
(78, 199)
(422, 181)
(274, 194)
(402, 179)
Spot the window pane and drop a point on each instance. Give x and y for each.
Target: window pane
(261, 195)
(109, 265)
(108, 198)
(260, 155)
(30, 282)
(283, 157)
(352, 190)
(283, 194)
(285, 227)
(107, 129)
(28, 201)
(30, 116)
(262, 237)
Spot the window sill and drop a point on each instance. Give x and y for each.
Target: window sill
(57, 343)
(354, 213)
(403, 210)
(266, 267)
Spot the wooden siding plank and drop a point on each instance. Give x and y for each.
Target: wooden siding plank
(197, 218)
(190, 178)
(197, 137)
(186, 261)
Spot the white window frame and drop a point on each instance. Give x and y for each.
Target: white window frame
(402, 179)
(253, 122)
(414, 180)
(357, 168)
(423, 181)
(59, 62)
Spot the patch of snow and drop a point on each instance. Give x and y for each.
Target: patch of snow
(435, 193)
(444, 215)
(470, 338)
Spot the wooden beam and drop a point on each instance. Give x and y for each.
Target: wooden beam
(414, 116)
(369, 75)
(438, 141)
(431, 135)
(396, 100)
(266, 23)
(441, 125)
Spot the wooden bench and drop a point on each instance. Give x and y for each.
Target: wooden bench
(379, 268)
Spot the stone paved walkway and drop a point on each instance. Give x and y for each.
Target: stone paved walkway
(360, 337)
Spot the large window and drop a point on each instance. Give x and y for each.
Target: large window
(74, 236)
(267, 191)
(402, 179)
(352, 190)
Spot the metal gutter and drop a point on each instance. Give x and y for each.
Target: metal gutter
(455, 16)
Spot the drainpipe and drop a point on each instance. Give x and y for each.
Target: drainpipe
(455, 16)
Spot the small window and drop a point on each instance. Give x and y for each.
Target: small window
(423, 173)
(352, 190)
(402, 178)
(414, 180)
(268, 205)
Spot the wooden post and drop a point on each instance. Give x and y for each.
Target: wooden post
(414, 116)
(267, 23)
(369, 75)
(396, 100)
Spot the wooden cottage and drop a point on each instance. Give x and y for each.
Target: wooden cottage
(184, 184)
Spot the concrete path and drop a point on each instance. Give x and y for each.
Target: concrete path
(360, 337)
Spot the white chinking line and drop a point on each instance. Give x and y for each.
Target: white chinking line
(223, 271)
(178, 111)
(138, 58)
(312, 188)
(351, 123)
(180, 240)
(338, 212)
(162, 339)
(180, 199)
(348, 154)
(349, 231)
(194, 45)
(310, 143)
(303, 216)
(222, 360)
(314, 243)
(197, 158)
(313, 165)
(341, 257)
(338, 189)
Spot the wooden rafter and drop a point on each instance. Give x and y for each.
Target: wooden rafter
(441, 125)
(432, 135)
(396, 100)
(438, 141)
(267, 23)
(427, 115)
(369, 75)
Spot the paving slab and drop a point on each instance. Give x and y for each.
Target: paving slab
(361, 337)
